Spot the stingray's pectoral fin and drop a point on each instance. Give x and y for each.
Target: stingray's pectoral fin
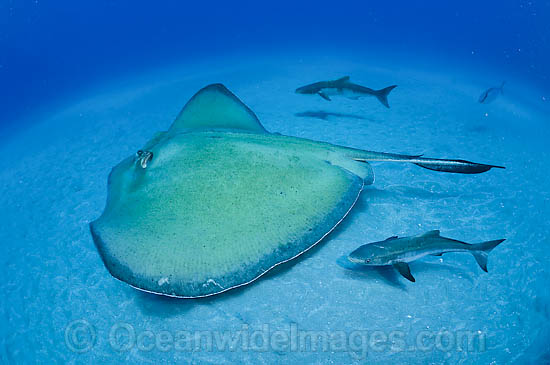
(404, 270)
(455, 166)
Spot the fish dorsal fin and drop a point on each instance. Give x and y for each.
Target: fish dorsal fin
(342, 79)
(214, 107)
(391, 238)
(434, 233)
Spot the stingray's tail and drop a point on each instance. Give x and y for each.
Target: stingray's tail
(435, 164)
(456, 166)
(382, 95)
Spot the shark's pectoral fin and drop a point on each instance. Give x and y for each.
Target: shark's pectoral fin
(404, 270)
(437, 254)
(324, 96)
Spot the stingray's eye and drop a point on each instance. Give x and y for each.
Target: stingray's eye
(368, 260)
(143, 158)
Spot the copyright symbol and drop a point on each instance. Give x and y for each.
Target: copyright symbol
(80, 336)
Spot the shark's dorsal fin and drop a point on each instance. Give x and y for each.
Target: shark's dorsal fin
(213, 107)
(342, 79)
(391, 238)
(434, 233)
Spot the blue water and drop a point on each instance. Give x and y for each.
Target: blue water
(83, 86)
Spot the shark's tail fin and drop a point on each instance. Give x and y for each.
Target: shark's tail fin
(382, 95)
(502, 86)
(481, 252)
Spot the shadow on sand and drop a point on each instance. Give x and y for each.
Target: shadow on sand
(324, 115)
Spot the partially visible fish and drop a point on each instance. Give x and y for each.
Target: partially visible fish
(491, 94)
(400, 251)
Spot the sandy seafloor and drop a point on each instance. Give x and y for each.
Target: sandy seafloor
(53, 183)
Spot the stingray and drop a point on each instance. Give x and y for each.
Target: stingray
(217, 201)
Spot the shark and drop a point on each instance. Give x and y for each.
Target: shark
(343, 87)
(399, 252)
(489, 95)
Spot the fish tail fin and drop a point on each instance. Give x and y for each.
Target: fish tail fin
(481, 252)
(502, 86)
(382, 95)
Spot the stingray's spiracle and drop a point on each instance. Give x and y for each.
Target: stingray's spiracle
(143, 158)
